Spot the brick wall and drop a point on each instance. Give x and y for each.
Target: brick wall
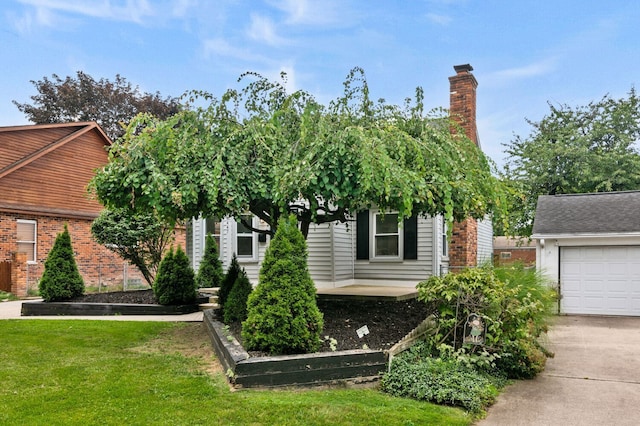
(463, 246)
(98, 265)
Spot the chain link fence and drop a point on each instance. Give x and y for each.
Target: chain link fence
(98, 277)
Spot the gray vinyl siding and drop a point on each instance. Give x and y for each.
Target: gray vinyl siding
(410, 271)
(485, 240)
(319, 247)
(343, 252)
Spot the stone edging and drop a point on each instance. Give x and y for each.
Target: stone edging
(353, 366)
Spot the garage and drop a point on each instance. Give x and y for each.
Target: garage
(601, 280)
(588, 246)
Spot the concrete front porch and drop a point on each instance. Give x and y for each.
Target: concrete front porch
(367, 292)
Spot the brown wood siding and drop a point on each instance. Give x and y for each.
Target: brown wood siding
(57, 180)
(15, 145)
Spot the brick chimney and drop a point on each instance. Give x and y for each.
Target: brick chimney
(463, 245)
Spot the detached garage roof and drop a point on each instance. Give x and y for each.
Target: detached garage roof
(595, 213)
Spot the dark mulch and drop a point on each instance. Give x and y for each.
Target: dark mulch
(138, 296)
(388, 322)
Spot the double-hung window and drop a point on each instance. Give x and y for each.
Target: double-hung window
(246, 241)
(212, 226)
(27, 235)
(387, 236)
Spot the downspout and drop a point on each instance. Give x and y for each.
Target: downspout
(435, 247)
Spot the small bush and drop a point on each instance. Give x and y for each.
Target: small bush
(236, 305)
(415, 374)
(514, 303)
(210, 273)
(283, 317)
(174, 284)
(233, 272)
(61, 279)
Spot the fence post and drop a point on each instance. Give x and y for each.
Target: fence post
(19, 274)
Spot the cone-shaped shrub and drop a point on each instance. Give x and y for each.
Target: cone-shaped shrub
(233, 272)
(283, 317)
(174, 283)
(61, 279)
(235, 308)
(210, 273)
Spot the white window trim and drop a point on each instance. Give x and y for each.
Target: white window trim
(372, 239)
(34, 242)
(254, 242)
(444, 240)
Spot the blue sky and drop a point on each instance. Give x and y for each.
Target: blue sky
(524, 53)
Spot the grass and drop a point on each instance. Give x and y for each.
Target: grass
(69, 372)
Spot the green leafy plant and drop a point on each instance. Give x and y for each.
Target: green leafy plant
(61, 279)
(174, 284)
(210, 273)
(417, 374)
(236, 305)
(283, 317)
(514, 303)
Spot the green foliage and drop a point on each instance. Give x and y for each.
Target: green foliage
(4, 296)
(235, 308)
(416, 374)
(140, 238)
(572, 150)
(263, 150)
(233, 272)
(174, 284)
(210, 273)
(283, 317)
(515, 305)
(111, 104)
(61, 279)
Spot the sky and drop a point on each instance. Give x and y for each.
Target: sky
(525, 54)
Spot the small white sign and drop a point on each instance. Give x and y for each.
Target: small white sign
(362, 331)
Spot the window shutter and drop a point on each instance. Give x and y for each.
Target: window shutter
(410, 230)
(362, 235)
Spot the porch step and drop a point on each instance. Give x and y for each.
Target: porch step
(212, 291)
(206, 306)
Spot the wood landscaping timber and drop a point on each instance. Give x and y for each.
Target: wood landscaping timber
(352, 366)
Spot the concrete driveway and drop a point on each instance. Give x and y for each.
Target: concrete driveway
(594, 378)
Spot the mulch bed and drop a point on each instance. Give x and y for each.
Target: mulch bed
(388, 322)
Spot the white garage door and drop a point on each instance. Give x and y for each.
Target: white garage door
(600, 280)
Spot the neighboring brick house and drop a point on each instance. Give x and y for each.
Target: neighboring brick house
(44, 171)
(363, 253)
(508, 250)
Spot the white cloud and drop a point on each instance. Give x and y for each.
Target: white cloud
(129, 10)
(263, 30)
(220, 47)
(305, 12)
(439, 19)
(535, 69)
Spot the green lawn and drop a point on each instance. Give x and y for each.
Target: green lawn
(90, 372)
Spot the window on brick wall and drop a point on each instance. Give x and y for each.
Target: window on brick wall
(27, 232)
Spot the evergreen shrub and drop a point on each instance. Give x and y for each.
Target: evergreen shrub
(175, 284)
(61, 279)
(283, 316)
(235, 308)
(233, 272)
(210, 273)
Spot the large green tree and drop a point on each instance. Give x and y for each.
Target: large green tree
(262, 150)
(112, 104)
(591, 148)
